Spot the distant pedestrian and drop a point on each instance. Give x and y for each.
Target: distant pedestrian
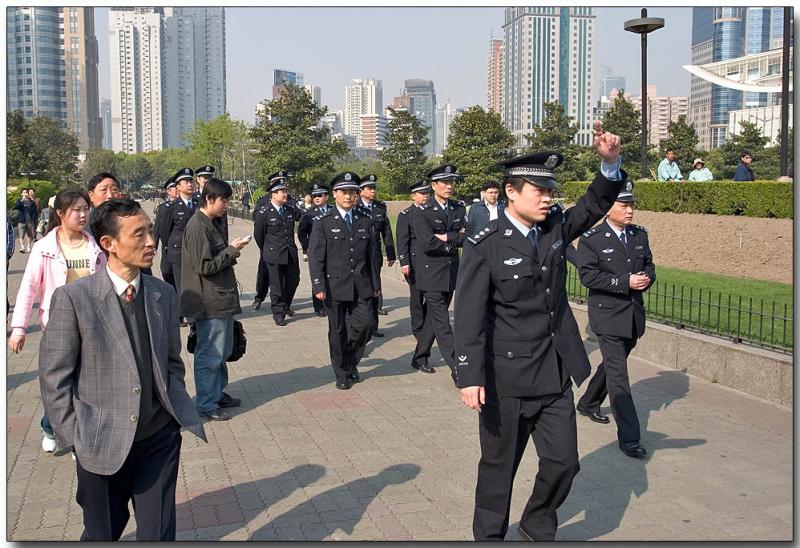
(700, 172)
(44, 218)
(112, 380)
(246, 197)
(668, 169)
(28, 216)
(487, 209)
(743, 171)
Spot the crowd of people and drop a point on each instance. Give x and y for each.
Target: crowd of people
(668, 169)
(111, 372)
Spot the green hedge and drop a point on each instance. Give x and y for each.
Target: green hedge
(752, 199)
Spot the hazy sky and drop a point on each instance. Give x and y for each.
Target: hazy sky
(450, 46)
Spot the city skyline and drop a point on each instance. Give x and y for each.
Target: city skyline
(457, 65)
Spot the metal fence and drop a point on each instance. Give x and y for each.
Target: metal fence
(762, 323)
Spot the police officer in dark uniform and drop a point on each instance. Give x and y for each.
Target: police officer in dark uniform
(616, 265)
(262, 274)
(204, 174)
(439, 227)
(274, 233)
(343, 275)
(319, 193)
(517, 342)
(175, 216)
(383, 234)
(171, 195)
(408, 252)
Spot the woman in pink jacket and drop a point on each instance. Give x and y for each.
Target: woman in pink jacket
(65, 254)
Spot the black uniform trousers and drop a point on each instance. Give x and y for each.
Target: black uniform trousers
(377, 303)
(283, 281)
(166, 272)
(349, 330)
(611, 379)
(436, 325)
(148, 476)
(505, 423)
(416, 305)
(173, 271)
(262, 278)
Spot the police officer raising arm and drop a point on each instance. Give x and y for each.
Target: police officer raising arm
(518, 346)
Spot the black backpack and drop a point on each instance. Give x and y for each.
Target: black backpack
(239, 341)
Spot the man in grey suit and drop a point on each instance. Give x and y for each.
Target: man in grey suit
(112, 382)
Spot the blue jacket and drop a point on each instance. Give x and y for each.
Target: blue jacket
(743, 173)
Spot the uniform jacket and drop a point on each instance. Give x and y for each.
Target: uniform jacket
(46, 270)
(438, 261)
(383, 230)
(208, 282)
(305, 224)
(274, 233)
(512, 317)
(407, 245)
(478, 216)
(605, 265)
(87, 371)
(340, 260)
(173, 217)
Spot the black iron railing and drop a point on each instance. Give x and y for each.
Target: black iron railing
(756, 322)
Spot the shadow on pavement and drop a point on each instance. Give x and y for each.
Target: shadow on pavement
(16, 380)
(599, 520)
(304, 522)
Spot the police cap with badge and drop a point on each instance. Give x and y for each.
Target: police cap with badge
(346, 181)
(170, 183)
(205, 171)
(446, 172)
(536, 168)
(626, 194)
(277, 181)
(370, 181)
(318, 189)
(183, 174)
(419, 186)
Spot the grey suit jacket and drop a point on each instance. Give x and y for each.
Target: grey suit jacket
(88, 375)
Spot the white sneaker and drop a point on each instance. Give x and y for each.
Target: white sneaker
(49, 445)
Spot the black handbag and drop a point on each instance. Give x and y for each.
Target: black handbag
(239, 341)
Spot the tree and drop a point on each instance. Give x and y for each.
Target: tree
(404, 155)
(41, 147)
(682, 138)
(134, 170)
(624, 120)
(477, 141)
(556, 133)
(289, 137)
(16, 144)
(217, 141)
(98, 161)
(726, 157)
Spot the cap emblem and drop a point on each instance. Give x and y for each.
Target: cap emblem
(448, 169)
(551, 162)
(348, 177)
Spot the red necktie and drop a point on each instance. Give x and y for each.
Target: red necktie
(130, 293)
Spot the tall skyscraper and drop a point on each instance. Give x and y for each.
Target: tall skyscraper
(494, 88)
(51, 63)
(606, 81)
(281, 77)
(548, 56)
(363, 96)
(105, 116)
(135, 40)
(444, 117)
(423, 97)
(374, 128)
(315, 92)
(195, 72)
(167, 71)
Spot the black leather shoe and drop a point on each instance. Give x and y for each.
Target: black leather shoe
(322, 314)
(344, 385)
(257, 303)
(425, 368)
(354, 376)
(378, 334)
(280, 321)
(382, 312)
(216, 415)
(289, 312)
(594, 416)
(229, 401)
(633, 449)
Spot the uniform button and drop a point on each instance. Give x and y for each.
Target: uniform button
(515, 276)
(510, 354)
(544, 269)
(136, 390)
(351, 249)
(134, 418)
(551, 313)
(351, 270)
(628, 260)
(552, 334)
(547, 290)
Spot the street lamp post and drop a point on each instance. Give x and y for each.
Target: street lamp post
(643, 26)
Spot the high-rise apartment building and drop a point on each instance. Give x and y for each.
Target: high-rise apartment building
(494, 86)
(721, 34)
(135, 38)
(661, 111)
(194, 75)
(548, 56)
(363, 96)
(444, 117)
(423, 97)
(315, 92)
(51, 63)
(105, 116)
(333, 120)
(374, 128)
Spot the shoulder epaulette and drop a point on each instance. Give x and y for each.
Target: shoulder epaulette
(591, 232)
(327, 213)
(406, 210)
(462, 203)
(638, 227)
(483, 234)
(380, 203)
(425, 206)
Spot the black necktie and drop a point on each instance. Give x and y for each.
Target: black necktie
(348, 219)
(190, 204)
(623, 239)
(533, 237)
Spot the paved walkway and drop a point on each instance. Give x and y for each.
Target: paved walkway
(395, 458)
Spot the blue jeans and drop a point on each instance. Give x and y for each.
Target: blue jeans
(47, 430)
(214, 345)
